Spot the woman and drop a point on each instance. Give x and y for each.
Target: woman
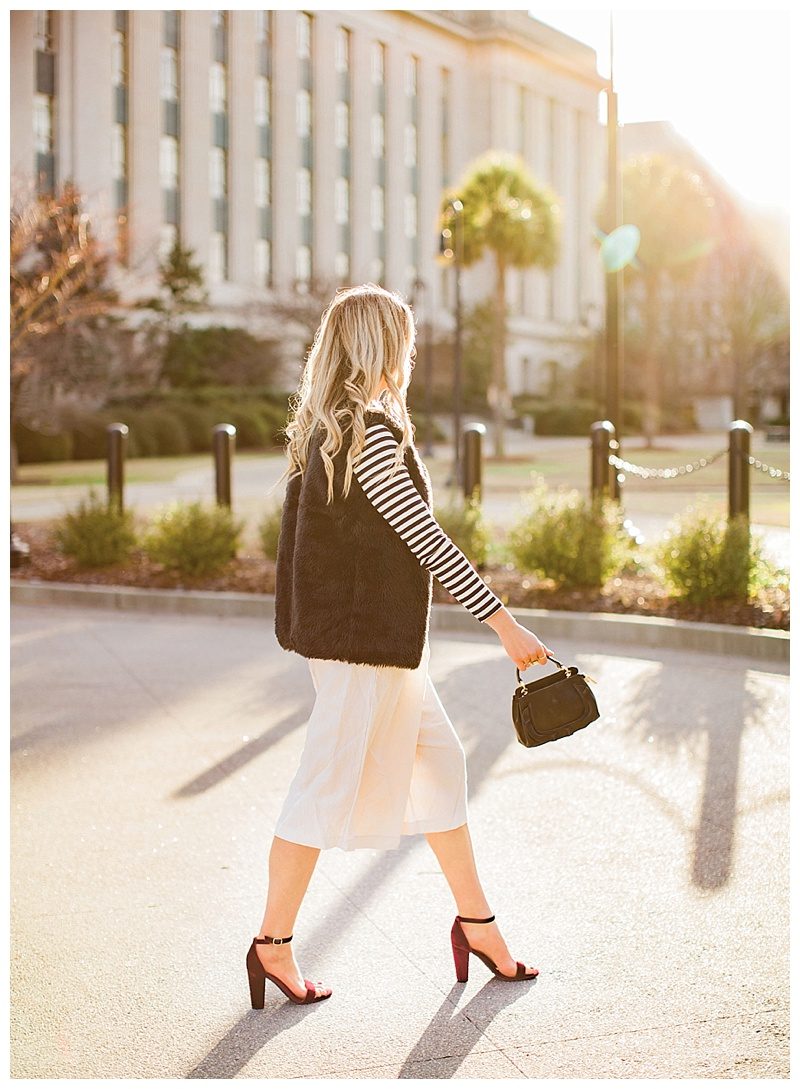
(358, 550)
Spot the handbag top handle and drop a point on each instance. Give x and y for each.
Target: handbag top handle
(555, 661)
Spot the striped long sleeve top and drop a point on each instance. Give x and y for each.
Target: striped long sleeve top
(406, 511)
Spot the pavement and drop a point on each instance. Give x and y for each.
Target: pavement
(642, 865)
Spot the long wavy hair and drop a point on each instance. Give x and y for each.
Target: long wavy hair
(367, 333)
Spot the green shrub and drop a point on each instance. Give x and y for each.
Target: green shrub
(572, 540)
(193, 539)
(252, 429)
(230, 356)
(35, 446)
(198, 421)
(269, 530)
(168, 430)
(96, 534)
(89, 434)
(706, 557)
(464, 523)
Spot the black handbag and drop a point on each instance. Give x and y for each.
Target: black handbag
(555, 706)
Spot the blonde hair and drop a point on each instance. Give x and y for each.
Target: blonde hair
(366, 334)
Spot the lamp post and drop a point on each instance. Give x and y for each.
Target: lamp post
(614, 283)
(452, 245)
(419, 289)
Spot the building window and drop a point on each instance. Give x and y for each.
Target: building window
(303, 112)
(216, 172)
(168, 162)
(169, 146)
(42, 124)
(167, 237)
(263, 262)
(262, 26)
(410, 215)
(341, 266)
(262, 101)
(303, 35)
(217, 270)
(303, 269)
(118, 59)
(342, 49)
(377, 62)
(119, 131)
(377, 133)
(445, 133)
(342, 200)
(169, 74)
(303, 191)
(411, 75)
(341, 124)
(43, 31)
(217, 90)
(410, 144)
(376, 207)
(262, 183)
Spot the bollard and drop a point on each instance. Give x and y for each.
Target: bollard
(739, 469)
(224, 445)
(603, 476)
(116, 441)
(473, 460)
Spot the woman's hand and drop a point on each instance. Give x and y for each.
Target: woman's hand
(521, 645)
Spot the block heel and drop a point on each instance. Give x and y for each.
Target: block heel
(257, 975)
(462, 950)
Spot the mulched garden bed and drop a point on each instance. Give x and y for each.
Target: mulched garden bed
(251, 572)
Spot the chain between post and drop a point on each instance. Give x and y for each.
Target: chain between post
(691, 467)
(664, 474)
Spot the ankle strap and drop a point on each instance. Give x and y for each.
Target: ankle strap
(272, 941)
(464, 919)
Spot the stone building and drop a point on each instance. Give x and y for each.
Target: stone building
(291, 149)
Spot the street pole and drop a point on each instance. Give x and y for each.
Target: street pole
(614, 281)
(420, 289)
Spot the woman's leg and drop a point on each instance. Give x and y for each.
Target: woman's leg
(453, 849)
(290, 868)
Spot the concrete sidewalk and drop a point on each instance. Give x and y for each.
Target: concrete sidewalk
(642, 865)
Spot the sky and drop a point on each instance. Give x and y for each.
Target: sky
(721, 77)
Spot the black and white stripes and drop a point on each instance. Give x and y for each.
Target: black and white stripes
(407, 513)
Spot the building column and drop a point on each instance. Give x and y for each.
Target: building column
(92, 118)
(325, 169)
(361, 154)
(144, 131)
(285, 152)
(395, 188)
(195, 140)
(242, 226)
(23, 80)
(430, 173)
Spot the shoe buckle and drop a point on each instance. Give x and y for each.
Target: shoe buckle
(278, 941)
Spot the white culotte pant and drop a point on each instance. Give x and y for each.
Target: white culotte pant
(381, 760)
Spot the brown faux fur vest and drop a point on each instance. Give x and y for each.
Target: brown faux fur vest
(347, 586)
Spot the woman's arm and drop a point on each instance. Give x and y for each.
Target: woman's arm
(401, 504)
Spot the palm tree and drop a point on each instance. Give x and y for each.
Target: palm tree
(517, 218)
(672, 208)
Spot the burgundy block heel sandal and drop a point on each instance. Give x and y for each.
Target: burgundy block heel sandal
(257, 975)
(462, 950)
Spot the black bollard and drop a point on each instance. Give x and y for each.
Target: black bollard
(603, 476)
(739, 469)
(116, 442)
(224, 445)
(473, 460)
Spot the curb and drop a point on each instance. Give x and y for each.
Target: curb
(765, 645)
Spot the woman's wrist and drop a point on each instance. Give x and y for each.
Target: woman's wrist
(501, 621)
